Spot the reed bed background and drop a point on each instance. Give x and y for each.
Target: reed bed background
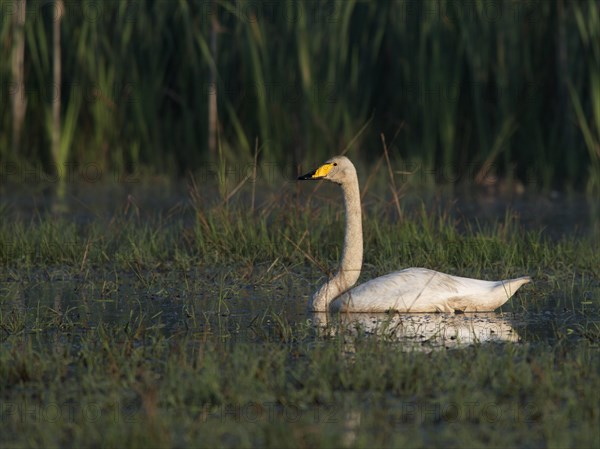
(460, 89)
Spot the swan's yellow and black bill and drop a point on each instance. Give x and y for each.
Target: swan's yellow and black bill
(319, 173)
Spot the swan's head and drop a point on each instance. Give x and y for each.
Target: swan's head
(338, 169)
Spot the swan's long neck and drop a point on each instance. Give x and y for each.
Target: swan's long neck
(352, 255)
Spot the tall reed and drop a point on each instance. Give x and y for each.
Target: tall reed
(506, 87)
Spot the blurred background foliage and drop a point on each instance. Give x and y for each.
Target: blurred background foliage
(168, 86)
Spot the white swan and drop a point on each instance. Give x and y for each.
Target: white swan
(409, 290)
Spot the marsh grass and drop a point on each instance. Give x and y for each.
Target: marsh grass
(150, 388)
(283, 232)
(168, 332)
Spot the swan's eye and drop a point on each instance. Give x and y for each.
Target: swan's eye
(335, 164)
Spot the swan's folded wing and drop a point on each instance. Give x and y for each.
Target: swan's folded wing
(417, 290)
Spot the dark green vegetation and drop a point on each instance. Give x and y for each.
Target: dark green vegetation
(187, 327)
(117, 386)
(466, 87)
(171, 332)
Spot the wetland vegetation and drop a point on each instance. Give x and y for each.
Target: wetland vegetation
(137, 313)
(152, 86)
(187, 327)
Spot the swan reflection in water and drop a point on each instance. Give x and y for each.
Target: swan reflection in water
(420, 331)
(425, 332)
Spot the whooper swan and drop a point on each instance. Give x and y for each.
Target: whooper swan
(409, 290)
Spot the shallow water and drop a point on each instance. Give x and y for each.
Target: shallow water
(193, 301)
(54, 301)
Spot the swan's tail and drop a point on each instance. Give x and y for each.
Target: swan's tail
(512, 285)
(521, 281)
(502, 292)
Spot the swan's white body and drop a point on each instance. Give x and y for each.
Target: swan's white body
(409, 290)
(423, 290)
